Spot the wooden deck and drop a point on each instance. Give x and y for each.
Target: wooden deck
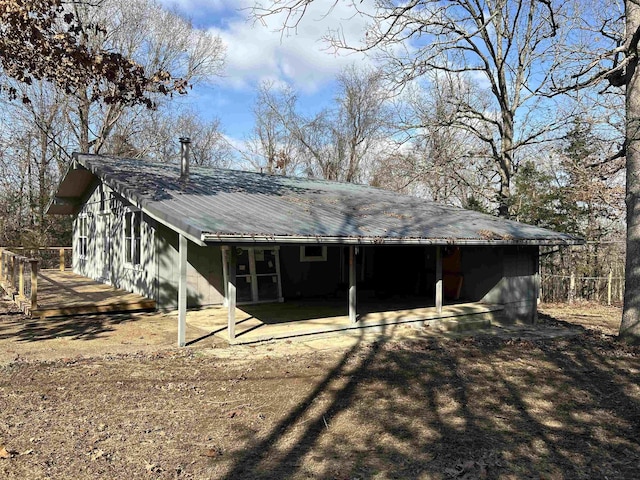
(262, 322)
(66, 293)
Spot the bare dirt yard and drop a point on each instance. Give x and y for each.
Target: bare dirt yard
(109, 397)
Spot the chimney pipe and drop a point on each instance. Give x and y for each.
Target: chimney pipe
(185, 143)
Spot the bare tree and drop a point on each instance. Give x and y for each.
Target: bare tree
(630, 325)
(156, 39)
(154, 135)
(336, 142)
(34, 143)
(270, 148)
(445, 161)
(510, 45)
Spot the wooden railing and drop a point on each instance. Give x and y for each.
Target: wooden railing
(19, 271)
(49, 257)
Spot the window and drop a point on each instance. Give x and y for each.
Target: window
(132, 243)
(102, 199)
(83, 235)
(313, 253)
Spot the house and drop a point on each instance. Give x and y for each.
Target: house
(188, 237)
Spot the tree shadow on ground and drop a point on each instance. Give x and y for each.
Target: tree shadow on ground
(474, 407)
(16, 326)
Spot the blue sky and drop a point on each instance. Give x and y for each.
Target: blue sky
(257, 52)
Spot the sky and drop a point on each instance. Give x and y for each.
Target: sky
(257, 52)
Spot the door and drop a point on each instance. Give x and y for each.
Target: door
(257, 274)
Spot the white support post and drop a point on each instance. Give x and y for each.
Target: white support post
(439, 279)
(352, 285)
(231, 294)
(276, 252)
(225, 275)
(254, 277)
(182, 291)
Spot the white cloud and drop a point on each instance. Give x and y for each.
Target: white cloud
(256, 52)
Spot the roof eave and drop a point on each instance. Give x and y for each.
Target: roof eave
(273, 239)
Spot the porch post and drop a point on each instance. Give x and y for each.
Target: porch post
(225, 275)
(231, 294)
(182, 291)
(439, 279)
(352, 285)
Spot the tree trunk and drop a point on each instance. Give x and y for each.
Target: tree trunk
(505, 165)
(630, 326)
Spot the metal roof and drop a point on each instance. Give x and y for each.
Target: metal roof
(219, 205)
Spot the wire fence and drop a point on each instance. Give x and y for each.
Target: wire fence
(593, 272)
(607, 290)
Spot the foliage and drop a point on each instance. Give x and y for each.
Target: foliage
(45, 40)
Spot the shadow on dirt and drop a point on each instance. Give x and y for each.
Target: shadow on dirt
(475, 407)
(14, 325)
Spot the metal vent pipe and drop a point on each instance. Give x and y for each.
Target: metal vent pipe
(185, 143)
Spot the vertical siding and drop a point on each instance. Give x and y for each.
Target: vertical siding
(204, 272)
(157, 275)
(503, 275)
(309, 279)
(108, 226)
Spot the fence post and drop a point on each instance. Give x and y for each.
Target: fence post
(572, 287)
(62, 259)
(34, 283)
(21, 277)
(539, 287)
(609, 281)
(14, 273)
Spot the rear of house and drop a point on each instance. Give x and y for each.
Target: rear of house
(264, 238)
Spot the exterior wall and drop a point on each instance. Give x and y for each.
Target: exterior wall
(204, 272)
(157, 275)
(310, 279)
(104, 260)
(505, 275)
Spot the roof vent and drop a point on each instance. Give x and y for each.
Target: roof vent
(185, 143)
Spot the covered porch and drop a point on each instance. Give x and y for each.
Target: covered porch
(272, 321)
(356, 314)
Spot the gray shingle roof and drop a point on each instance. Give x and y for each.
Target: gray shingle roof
(228, 205)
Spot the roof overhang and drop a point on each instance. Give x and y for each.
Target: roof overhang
(77, 181)
(72, 188)
(290, 239)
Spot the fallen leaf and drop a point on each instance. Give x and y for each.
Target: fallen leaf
(212, 452)
(4, 453)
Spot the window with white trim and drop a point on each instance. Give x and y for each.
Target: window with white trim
(132, 238)
(313, 253)
(83, 235)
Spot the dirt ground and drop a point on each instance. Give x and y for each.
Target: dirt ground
(110, 397)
